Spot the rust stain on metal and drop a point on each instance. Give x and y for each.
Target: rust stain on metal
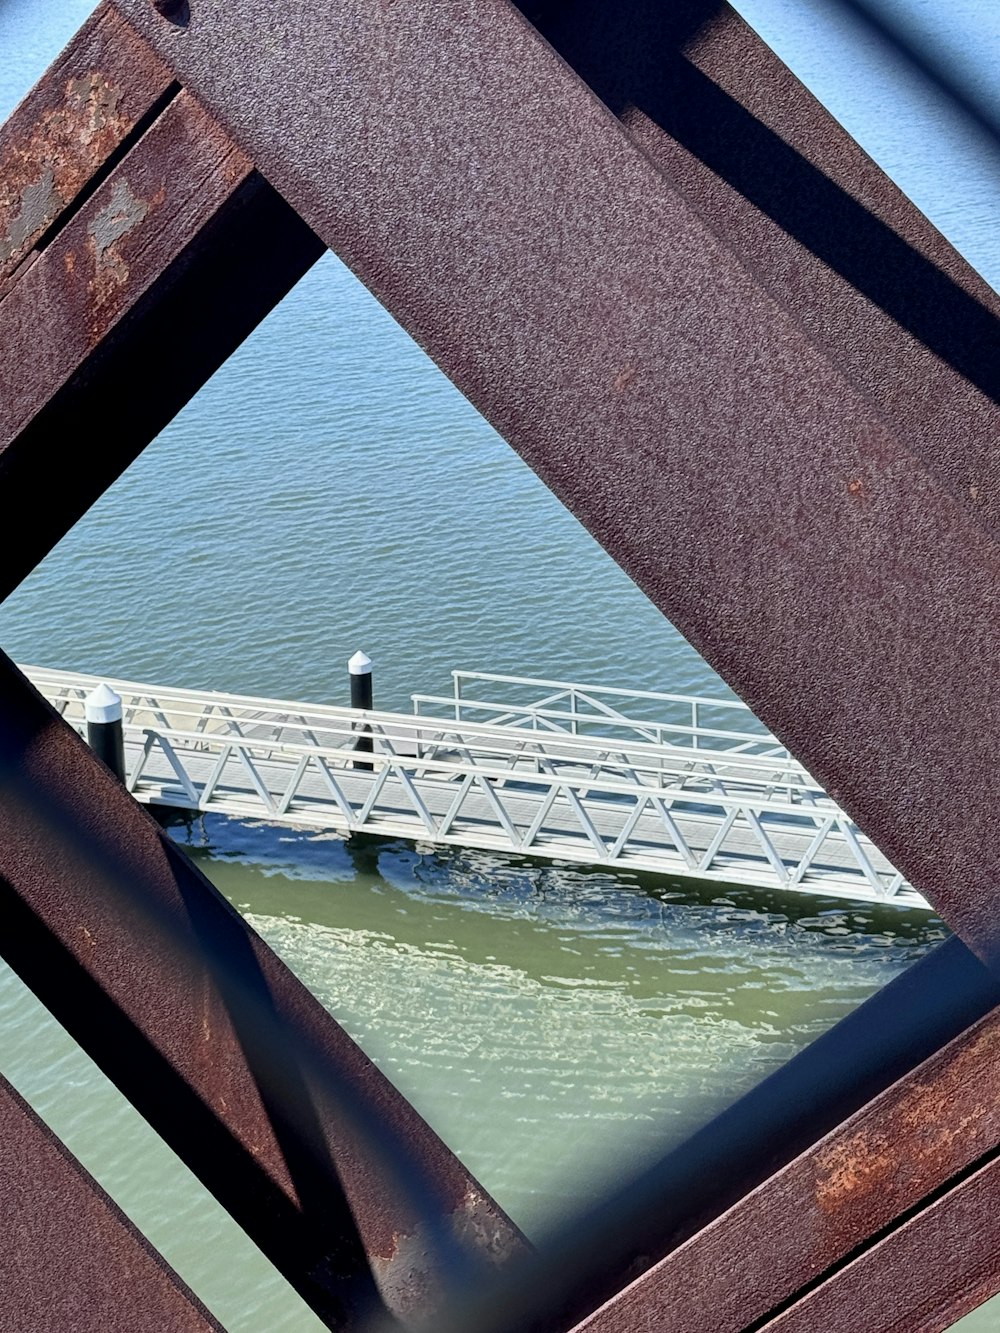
(916, 1138)
(476, 1225)
(169, 186)
(90, 116)
(94, 104)
(118, 219)
(937, 1266)
(853, 1167)
(40, 201)
(406, 1263)
(63, 134)
(402, 1276)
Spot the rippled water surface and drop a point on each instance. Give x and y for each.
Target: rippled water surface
(330, 490)
(586, 1019)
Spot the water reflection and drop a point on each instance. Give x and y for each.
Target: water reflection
(557, 1026)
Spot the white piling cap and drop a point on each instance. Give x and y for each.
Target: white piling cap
(103, 705)
(360, 664)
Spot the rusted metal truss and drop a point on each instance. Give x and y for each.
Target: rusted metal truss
(765, 384)
(60, 1231)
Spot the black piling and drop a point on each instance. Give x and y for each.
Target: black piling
(103, 711)
(360, 669)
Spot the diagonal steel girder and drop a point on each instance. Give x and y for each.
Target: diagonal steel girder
(820, 557)
(71, 1259)
(717, 430)
(138, 246)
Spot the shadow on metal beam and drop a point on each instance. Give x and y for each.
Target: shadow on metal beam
(632, 57)
(596, 1254)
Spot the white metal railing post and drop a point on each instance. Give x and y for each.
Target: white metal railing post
(417, 732)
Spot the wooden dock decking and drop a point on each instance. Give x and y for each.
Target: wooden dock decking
(700, 792)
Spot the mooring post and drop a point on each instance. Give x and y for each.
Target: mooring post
(103, 711)
(360, 669)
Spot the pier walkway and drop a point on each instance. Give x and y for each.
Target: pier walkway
(672, 784)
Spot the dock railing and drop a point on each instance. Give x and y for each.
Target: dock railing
(602, 711)
(644, 797)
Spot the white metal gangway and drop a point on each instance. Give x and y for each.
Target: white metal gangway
(673, 784)
(603, 712)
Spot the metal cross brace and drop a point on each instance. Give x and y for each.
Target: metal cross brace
(762, 381)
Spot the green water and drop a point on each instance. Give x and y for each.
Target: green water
(557, 1027)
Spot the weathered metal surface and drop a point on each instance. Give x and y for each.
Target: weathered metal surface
(580, 302)
(228, 1056)
(816, 222)
(890, 1159)
(149, 364)
(92, 101)
(151, 207)
(127, 310)
(937, 1267)
(69, 1256)
(130, 305)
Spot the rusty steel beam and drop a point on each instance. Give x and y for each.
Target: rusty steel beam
(785, 526)
(534, 268)
(942, 1264)
(121, 301)
(150, 208)
(816, 222)
(227, 1055)
(147, 366)
(92, 103)
(135, 288)
(70, 1258)
(867, 1180)
(476, 233)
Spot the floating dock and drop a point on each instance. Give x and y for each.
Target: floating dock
(667, 783)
